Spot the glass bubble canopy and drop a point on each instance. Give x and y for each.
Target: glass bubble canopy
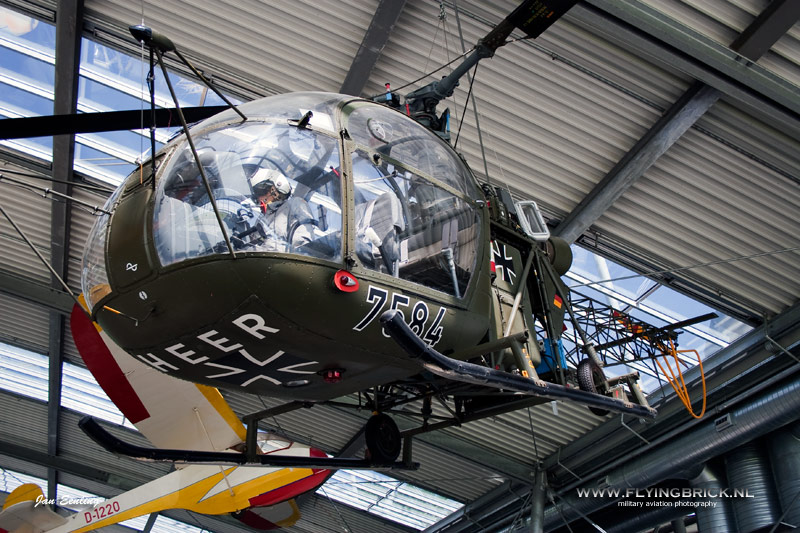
(286, 179)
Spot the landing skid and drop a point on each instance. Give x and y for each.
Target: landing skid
(119, 447)
(453, 369)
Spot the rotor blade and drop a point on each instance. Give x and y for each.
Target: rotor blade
(46, 126)
(533, 17)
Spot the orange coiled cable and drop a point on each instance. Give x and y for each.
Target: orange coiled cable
(678, 384)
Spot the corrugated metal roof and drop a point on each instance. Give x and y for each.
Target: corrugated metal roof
(24, 324)
(720, 20)
(529, 440)
(11, 465)
(724, 20)
(24, 421)
(307, 425)
(32, 216)
(321, 515)
(749, 217)
(262, 44)
(550, 131)
(439, 471)
(448, 474)
(77, 446)
(556, 113)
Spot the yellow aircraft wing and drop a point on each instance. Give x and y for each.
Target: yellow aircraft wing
(206, 489)
(23, 511)
(170, 412)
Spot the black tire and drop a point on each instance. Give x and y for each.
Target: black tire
(590, 379)
(383, 439)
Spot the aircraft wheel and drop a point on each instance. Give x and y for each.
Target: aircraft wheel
(383, 439)
(590, 379)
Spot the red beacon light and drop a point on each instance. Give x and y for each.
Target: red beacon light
(332, 375)
(345, 281)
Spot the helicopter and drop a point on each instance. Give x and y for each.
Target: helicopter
(310, 246)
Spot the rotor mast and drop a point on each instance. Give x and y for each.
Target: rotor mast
(532, 17)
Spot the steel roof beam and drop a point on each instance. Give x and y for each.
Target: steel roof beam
(36, 292)
(658, 37)
(668, 129)
(486, 507)
(769, 26)
(68, 466)
(383, 22)
(754, 41)
(69, 22)
(151, 520)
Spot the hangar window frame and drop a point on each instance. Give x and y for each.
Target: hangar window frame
(109, 156)
(654, 303)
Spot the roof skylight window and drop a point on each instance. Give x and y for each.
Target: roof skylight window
(388, 498)
(26, 373)
(109, 81)
(646, 300)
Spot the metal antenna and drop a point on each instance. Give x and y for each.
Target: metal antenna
(161, 43)
(194, 153)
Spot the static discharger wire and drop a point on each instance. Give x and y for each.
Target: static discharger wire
(533, 434)
(274, 418)
(517, 518)
(429, 74)
(464, 111)
(443, 18)
(45, 192)
(439, 25)
(39, 255)
(474, 103)
(141, 106)
(336, 508)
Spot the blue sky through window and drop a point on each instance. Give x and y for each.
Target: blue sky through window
(654, 304)
(109, 81)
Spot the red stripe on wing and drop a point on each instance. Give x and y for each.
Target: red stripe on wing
(104, 368)
(292, 490)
